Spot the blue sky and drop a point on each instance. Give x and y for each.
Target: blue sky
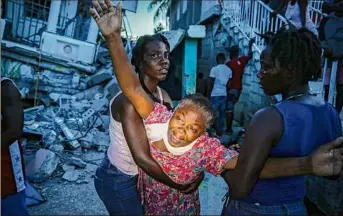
(142, 22)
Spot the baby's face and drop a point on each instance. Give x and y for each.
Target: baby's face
(185, 126)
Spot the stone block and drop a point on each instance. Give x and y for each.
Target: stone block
(71, 175)
(99, 77)
(42, 166)
(111, 88)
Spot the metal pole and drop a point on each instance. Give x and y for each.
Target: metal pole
(128, 42)
(332, 89)
(53, 15)
(324, 75)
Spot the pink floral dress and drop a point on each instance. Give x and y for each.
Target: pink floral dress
(208, 154)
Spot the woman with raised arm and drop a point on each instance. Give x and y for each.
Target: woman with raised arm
(178, 140)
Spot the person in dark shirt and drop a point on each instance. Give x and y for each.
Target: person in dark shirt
(12, 163)
(201, 84)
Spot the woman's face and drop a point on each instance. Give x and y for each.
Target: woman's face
(273, 79)
(185, 126)
(155, 61)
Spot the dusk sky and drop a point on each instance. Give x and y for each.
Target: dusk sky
(141, 22)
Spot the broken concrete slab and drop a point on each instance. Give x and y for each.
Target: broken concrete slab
(42, 166)
(77, 162)
(74, 123)
(67, 167)
(69, 135)
(111, 88)
(71, 175)
(103, 121)
(80, 105)
(56, 96)
(99, 105)
(88, 94)
(101, 76)
(89, 113)
(102, 141)
(83, 181)
(87, 142)
(57, 148)
(49, 137)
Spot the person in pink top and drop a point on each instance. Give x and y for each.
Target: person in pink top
(178, 141)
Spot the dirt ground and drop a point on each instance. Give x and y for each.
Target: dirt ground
(71, 198)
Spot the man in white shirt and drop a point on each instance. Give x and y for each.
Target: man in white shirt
(219, 78)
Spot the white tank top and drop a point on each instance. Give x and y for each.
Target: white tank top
(118, 152)
(293, 15)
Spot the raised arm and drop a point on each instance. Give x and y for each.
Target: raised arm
(253, 161)
(109, 20)
(303, 9)
(281, 6)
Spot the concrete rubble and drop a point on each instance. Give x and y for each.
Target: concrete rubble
(66, 113)
(70, 126)
(71, 175)
(42, 166)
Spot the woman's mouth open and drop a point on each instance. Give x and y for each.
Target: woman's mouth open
(174, 140)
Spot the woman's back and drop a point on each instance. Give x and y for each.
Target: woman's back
(305, 127)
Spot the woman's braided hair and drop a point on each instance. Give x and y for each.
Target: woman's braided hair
(298, 50)
(138, 57)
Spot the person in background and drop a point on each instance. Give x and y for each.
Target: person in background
(274, 4)
(178, 139)
(201, 84)
(219, 78)
(237, 64)
(82, 20)
(297, 13)
(12, 162)
(294, 127)
(331, 36)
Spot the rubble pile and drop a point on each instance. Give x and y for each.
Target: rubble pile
(65, 129)
(44, 77)
(72, 115)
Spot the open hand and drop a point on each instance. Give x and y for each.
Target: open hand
(107, 17)
(327, 160)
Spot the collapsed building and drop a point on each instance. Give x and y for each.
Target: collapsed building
(55, 54)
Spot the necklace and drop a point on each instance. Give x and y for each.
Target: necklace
(298, 95)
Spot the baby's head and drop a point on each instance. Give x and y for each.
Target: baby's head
(191, 118)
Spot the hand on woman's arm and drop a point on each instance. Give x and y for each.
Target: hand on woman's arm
(134, 132)
(109, 21)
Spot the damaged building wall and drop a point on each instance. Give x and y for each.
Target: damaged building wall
(220, 35)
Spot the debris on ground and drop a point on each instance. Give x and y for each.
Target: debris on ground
(42, 166)
(71, 175)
